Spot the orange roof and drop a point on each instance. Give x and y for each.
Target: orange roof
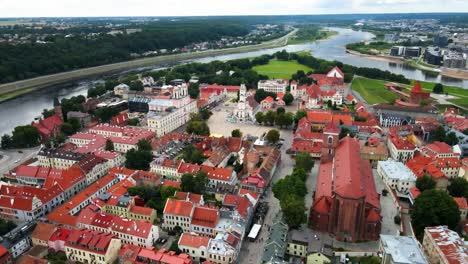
(215, 173)
(322, 205)
(204, 216)
(194, 241)
(171, 183)
(43, 231)
(140, 210)
(252, 193)
(178, 207)
(461, 201)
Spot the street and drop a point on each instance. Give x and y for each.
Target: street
(12, 158)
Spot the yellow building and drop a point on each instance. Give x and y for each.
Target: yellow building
(88, 246)
(42, 233)
(317, 258)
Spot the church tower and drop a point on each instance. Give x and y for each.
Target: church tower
(330, 137)
(58, 108)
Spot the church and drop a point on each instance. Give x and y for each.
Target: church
(50, 127)
(346, 203)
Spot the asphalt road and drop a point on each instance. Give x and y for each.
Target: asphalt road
(12, 158)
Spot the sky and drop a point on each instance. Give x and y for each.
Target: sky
(83, 8)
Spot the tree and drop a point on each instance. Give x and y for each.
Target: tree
(195, 184)
(191, 154)
(187, 181)
(136, 85)
(143, 144)
(236, 133)
(280, 110)
(270, 117)
(109, 145)
(304, 161)
(344, 132)
(25, 136)
(294, 211)
(168, 191)
(260, 117)
(329, 104)
(434, 208)
(438, 88)
(175, 247)
(67, 129)
(425, 183)
(439, 134)
(205, 113)
(194, 90)
(48, 112)
(273, 136)
(7, 141)
(458, 187)
(299, 115)
(198, 128)
(75, 123)
(288, 98)
(133, 122)
(106, 113)
(138, 159)
(451, 139)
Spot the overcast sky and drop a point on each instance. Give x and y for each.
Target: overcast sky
(41, 8)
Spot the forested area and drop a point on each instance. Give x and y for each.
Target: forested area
(62, 53)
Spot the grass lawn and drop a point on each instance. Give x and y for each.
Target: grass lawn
(463, 102)
(373, 91)
(280, 69)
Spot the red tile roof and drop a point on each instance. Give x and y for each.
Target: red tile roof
(449, 242)
(191, 197)
(43, 231)
(171, 183)
(461, 201)
(194, 241)
(178, 207)
(204, 216)
(322, 205)
(89, 240)
(60, 234)
(215, 173)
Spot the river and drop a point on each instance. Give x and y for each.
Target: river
(24, 109)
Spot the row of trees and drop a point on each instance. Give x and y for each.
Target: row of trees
(291, 191)
(279, 118)
(29, 60)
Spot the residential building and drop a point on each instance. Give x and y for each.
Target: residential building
(218, 176)
(275, 245)
(401, 250)
(274, 86)
(66, 213)
(195, 246)
(259, 177)
(204, 220)
(177, 213)
(89, 246)
(345, 187)
(401, 149)
(433, 56)
(374, 151)
(422, 166)
(42, 234)
(5, 256)
(58, 239)
(129, 231)
(18, 240)
(57, 158)
(223, 249)
(444, 246)
(134, 254)
(397, 176)
(121, 89)
(455, 60)
(25, 203)
(391, 120)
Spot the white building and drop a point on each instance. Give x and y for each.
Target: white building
(274, 86)
(121, 89)
(396, 175)
(168, 113)
(247, 107)
(401, 250)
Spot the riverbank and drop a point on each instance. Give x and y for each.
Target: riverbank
(377, 57)
(12, 90)
(328, 34)
(455, 73)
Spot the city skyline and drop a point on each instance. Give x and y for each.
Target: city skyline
(87, 8)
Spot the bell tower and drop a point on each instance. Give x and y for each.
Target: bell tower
(330, 137)
(58, 108)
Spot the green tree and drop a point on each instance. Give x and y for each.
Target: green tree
(195, 184)
(304, 161)
(280, 110)
(273, 136)
(187, 182)
(75, 123)
(110, 84)
(434, 208)
(260, 117)
(205, 113)
(109, 145)
(425, 183)
(194, 90)
(144, 144)
(344, 131)
(191, 154)
(270, 117)
(25, 136)
(458, 187)
(48, 112)
(288, 98)
(294, 211)
(236, 133)
(136, 85)
(168, 191)
(133, 122)
(7, 142)
(198, 128)
(299, 115)
(439, 134)
(138, 159)
(67, 129)
(438, 88)
(451, 139)
(106, 113)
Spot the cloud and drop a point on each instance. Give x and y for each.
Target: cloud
(39, 8)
